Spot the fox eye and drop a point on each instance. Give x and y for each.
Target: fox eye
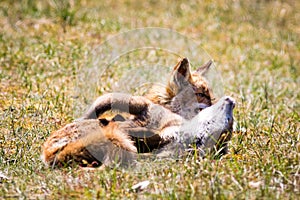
(200, 95)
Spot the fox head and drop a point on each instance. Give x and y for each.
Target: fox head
(186, 93)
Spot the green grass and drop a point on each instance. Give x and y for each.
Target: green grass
(255, 45)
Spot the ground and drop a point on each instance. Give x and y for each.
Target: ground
(255, 45)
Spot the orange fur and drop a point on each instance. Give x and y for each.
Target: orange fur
(76, 141)
(88, 141)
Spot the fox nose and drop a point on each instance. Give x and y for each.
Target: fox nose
(230, 100)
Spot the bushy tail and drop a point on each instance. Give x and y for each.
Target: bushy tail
(88, 144)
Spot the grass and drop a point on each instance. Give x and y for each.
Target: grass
(255, 45)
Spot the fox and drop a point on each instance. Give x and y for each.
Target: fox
(185, 94)
(88, 143)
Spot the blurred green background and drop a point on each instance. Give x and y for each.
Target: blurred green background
(255, 45)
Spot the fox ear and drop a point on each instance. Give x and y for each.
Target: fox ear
(182, 70)
(204, 68)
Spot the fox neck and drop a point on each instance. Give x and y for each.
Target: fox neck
(161, 95)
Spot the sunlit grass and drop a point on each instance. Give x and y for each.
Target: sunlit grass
(256, 46)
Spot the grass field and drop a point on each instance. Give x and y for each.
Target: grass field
(255, 45)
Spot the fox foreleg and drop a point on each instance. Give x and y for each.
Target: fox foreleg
(135, 105)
